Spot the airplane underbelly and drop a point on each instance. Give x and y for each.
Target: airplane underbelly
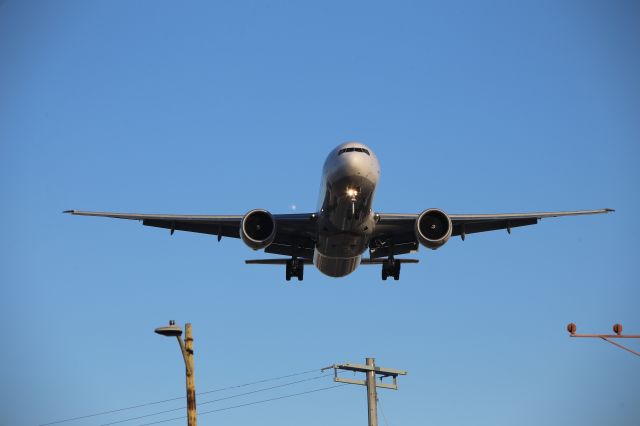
(335, 266)
(339, 254)
(342, 244)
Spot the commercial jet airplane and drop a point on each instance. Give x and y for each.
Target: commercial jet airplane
(345, 225)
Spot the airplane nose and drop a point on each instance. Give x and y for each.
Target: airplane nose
(355, 164)
(350, 162)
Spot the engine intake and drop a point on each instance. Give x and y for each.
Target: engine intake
(258, 229)
(433, 228)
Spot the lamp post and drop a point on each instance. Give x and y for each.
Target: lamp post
(617, 328)
(186, 347)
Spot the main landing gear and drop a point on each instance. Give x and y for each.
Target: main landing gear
(295, 268)
(391, 268)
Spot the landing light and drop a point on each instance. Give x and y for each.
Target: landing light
(352, 192)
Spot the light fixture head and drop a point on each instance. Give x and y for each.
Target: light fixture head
(171, 330)
(617, 328)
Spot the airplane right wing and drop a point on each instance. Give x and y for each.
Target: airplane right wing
(294, 232)
(220, 225)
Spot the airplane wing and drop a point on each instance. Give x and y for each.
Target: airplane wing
(294, 232)
(395, 232)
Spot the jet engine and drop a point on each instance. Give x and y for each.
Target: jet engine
(433, 228)
(258, 229)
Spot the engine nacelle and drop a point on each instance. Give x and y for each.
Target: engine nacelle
(258, 229)
(433, 228)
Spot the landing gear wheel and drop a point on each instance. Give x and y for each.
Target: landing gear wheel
(396, 271)
(294, 268)
(287, 273)
(300, 270)
(391, 268)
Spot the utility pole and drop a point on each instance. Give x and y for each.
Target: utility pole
(371, 372)
(191, 376)
(186, 347)
(372, 397)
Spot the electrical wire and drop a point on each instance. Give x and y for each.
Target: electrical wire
(215, 400)
(382, 411)
(117, 410)
(247, 404)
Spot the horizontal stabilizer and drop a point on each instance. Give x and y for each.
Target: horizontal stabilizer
(309, 261)
(380, 261)
(274, 261)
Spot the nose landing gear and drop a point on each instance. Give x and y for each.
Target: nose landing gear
(294, 268)
(391, 268)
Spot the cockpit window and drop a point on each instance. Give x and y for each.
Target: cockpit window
(353, 149)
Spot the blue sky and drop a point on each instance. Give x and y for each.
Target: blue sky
(220, 107)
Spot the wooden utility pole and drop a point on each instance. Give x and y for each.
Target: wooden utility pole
(191, 376)
(371, 372)
(372, 398)
(186, 348)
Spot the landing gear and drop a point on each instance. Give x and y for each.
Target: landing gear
(295, 268)
(391, 268)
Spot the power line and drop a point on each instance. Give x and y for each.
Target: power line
(257, 382)
(382, 411)
(248, 403)
(117, 410)
(215, 400)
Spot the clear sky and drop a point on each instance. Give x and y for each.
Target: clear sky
(220, 107)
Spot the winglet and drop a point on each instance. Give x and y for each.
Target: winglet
(69, 211)
(609, 210)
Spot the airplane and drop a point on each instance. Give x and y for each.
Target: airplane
(335, 237)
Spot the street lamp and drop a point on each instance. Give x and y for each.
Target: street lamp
(617, 328)
(186, 347)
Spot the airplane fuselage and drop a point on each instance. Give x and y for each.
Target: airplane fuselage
(345, 217)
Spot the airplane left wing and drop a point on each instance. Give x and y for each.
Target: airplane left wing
(294, 232)
(472, 223)
(395, 233)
